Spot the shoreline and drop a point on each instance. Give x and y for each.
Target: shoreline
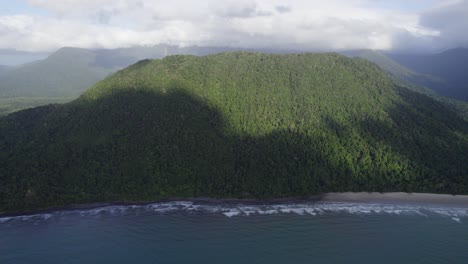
(398, 197)
(446, 200)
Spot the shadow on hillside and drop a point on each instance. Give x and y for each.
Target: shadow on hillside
(180, 144)
(138, 145)
(430, 136)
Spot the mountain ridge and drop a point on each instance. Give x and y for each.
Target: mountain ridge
(449, 66)
(64, 73)
(38, 82)
(236, 124)
(422, 83)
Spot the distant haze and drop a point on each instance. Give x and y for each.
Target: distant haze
(13, 57)
(411, 25)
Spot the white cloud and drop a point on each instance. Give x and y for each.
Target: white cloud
(300, 24)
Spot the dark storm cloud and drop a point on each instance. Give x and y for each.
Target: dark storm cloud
(451, 21)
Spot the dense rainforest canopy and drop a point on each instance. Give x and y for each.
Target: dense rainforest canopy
(235, 124)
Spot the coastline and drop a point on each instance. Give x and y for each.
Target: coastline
(398, 197)
(446, 200)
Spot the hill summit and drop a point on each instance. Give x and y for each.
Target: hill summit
(234, 124)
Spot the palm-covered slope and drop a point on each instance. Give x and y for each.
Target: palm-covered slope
(233, 125)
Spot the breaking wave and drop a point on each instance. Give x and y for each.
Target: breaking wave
(238, 210)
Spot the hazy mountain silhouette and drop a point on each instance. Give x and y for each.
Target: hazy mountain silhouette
(449, 66)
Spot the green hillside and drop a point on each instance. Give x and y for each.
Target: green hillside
(10, 105)
(60, 78)
(234, 124)
(422, 83)
(383, 61)
(65, 74)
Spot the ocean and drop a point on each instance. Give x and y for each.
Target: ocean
(189, 232)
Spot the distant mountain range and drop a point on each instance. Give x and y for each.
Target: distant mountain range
(388, 64)
(67, 72)
(449, 69)
(429, 85)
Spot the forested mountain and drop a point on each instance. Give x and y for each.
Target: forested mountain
(10, 105)
(65, 74)
(412, 80)
(448, 67)
(234, 124)
(382, 60)
(391, 66)
(69, 71)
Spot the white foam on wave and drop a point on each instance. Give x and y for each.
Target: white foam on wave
(235, 210)
(5, 219)
(34, 217)
(231, 213)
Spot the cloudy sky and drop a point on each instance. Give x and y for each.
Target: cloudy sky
(416, 25)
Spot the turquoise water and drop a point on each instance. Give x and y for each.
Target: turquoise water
(183, 232)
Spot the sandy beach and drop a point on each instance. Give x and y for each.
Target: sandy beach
(352, 197)
(397, 197)
(446, 200)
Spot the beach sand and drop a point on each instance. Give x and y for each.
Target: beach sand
(397, 197)
(445, 200)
